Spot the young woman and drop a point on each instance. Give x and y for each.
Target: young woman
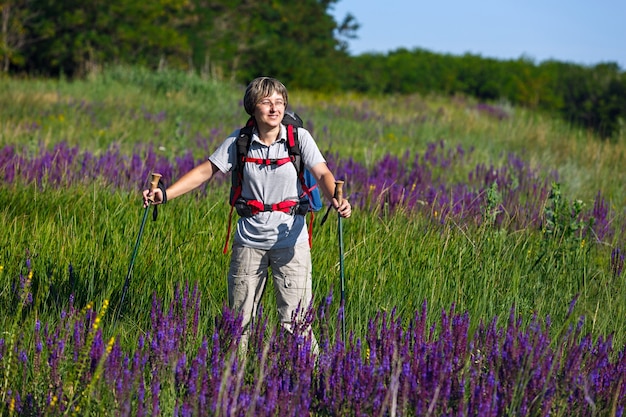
(276, 238)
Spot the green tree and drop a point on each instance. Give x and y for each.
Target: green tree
(592, 97)
(294, 42)
(74, 36)
(15, 14)
(367, 73)
(298, 42)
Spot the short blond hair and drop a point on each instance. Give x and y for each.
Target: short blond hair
(260, 88)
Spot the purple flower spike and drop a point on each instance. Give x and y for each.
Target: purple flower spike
(617, 262)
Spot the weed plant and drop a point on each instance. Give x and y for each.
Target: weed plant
(497, 213)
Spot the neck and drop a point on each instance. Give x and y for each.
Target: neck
(268, 135)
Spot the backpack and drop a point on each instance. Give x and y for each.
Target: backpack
(310, 200)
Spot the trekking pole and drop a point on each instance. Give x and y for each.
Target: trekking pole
(339, 197)
(154, 183)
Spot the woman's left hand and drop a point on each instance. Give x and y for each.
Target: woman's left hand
(344, 209)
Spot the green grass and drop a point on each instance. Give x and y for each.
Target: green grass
(391, 261)
(116, 107)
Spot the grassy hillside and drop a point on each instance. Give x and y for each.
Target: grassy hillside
(457, 206)
(175, 111)
(177, 115)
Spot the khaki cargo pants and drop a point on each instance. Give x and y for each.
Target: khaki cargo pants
(291, 272)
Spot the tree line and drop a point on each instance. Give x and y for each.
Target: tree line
(590, 96)
(299, 42)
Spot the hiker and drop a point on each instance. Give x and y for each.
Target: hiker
(271, 231)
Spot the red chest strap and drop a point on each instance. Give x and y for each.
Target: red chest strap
(258, 206)
(261, 161)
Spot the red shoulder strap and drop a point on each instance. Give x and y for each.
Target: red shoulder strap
(291, 141)
(294, 149)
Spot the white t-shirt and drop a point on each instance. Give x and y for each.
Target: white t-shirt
(270, 184)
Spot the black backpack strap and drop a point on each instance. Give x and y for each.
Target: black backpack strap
(293, 122)
(243, 145)
(293, 146)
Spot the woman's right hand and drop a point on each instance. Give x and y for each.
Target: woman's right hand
(152, 197)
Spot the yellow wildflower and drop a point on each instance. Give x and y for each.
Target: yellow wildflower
(110, 345)
(96, 322)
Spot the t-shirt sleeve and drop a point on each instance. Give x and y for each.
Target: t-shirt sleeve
(225, 155)
(311, 154)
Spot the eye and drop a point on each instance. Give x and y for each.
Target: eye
(269, 103)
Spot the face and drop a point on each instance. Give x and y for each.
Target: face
(269, 110)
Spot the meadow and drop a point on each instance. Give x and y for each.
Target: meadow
(483, 261)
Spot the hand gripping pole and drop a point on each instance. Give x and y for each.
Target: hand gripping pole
(154, 183)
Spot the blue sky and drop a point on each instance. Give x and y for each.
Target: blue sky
(582, 32)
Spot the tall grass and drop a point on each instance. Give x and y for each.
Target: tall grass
(80, 243)
(181, 112)
(485, 245)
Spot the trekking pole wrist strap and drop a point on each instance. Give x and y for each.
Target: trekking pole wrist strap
(161, 186)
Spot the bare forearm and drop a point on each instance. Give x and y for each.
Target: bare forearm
(191, 180)
(326, 181)
(327, 184)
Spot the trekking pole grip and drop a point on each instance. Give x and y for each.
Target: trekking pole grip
(154, 183)
(339, 191)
